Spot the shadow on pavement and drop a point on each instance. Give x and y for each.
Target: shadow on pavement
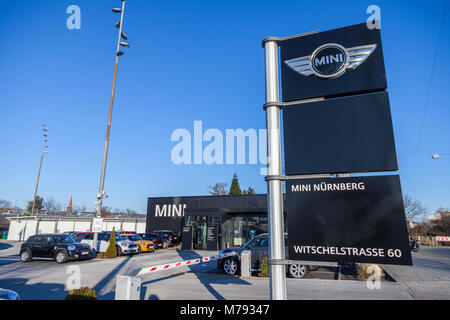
(163, 278)
(35, 291)
(4, 246)
(208, 279)
(110, 276)
(145, 284)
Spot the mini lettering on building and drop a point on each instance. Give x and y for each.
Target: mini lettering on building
(331, 60)
(170, 210)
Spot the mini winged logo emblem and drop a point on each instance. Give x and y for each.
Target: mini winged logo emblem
(331, 60)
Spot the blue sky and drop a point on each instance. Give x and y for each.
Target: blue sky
(189, 60)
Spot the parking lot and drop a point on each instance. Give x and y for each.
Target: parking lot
(45, 279)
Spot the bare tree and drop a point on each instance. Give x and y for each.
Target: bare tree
(79, 209)
(5, 204)
(51, 205)
(131, 212)
(219, 189)
(413, 208)
(105, 212)
(441, 225)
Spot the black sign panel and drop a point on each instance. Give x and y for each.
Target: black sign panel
(352, 134)
(357, 219)
(211, 238)
(342, 61)
(165, 214)
(186, 238)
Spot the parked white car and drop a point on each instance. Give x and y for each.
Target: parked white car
(123, 246)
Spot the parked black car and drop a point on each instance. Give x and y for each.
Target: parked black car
(60, 247)
(173, 238)
(159, 241)
(259, 248)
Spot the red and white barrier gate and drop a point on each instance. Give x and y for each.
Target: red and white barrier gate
(183, 263)
(442, 238)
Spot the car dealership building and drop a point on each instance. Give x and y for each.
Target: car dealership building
(210, 222)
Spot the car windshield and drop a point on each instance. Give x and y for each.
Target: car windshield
(249, 243)
(119, 237)
(132, 237)
(63, 239)
(107, 236)
(164, 235)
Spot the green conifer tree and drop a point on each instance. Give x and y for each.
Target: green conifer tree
(235, 188)
(264, 268)
(111, 252)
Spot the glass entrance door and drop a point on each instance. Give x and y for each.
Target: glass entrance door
(205, 232)
(199, 228)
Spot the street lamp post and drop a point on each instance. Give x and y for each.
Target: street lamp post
(101, 192)
(44, 147)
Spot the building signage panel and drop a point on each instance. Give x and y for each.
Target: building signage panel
(356, 219)
(97, 225)
(341, 135)
(348, 60)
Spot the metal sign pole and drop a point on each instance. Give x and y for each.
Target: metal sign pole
(274, 185)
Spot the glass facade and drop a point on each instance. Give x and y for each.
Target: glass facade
(225, 231)
(232, 231)
(247, 227)
(201, 231)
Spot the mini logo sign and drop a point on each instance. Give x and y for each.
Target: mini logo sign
(331, 60)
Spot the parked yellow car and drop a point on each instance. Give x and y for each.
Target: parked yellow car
(143, 245)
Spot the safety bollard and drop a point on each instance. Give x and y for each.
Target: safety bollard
(246, 264)
(128, 288)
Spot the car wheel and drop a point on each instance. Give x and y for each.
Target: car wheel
(297, 271)
(25, 256)
(119, 251)
(230, 266)
(165, 245)
(61, 256)
(139, 250)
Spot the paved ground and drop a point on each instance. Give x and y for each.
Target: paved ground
(429, 277)
(202, 286)
(43, 279)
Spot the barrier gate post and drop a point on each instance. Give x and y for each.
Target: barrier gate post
(128, 288)
(246, 264)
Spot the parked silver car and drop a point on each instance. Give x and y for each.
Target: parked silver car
(259, 248)
(123, 246)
